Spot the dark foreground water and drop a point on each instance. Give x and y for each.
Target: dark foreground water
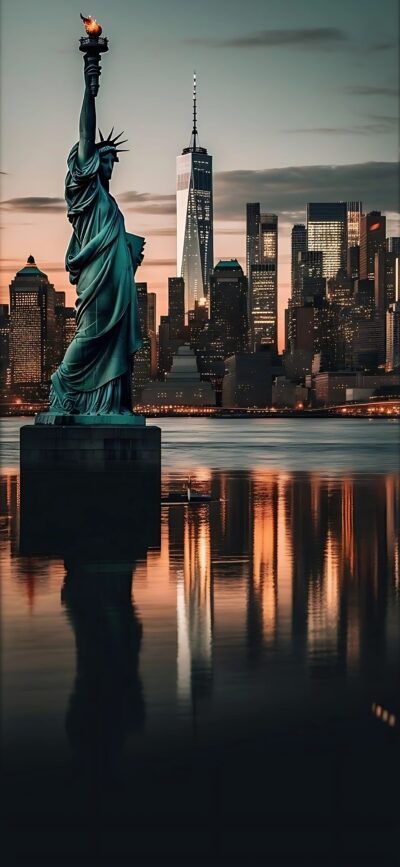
(229, 694)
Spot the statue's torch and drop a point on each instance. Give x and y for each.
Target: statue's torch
(93, 44)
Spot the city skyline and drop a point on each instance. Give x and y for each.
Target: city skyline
(339, 139)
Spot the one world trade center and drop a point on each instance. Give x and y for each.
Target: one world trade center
(194, 212)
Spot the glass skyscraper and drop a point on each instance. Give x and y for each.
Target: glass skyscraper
(354, 211)
(327, 232)
(194, 213)
(299, 245)
(264, 307)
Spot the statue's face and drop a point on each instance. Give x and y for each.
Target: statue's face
(107, 161)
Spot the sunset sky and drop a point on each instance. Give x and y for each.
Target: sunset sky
(296, 103)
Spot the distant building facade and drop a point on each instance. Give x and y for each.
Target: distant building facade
(228, 302)
(182, 386)
(373, 239)
(248, 380)
(32, 332)
(299, 245)
(327, 232)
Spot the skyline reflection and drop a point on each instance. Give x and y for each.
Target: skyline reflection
(292, 557)
(248, 638)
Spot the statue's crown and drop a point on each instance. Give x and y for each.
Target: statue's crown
(110, 143)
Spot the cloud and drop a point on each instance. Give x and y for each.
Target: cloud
(369, 90)
(378, 125)
(148, 203)
(40, 204)
(309, 37)
(380, 46)
(287, 190)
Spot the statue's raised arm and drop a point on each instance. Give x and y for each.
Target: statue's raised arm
(87, 120)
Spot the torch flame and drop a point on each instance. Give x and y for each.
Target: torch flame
(91, 26)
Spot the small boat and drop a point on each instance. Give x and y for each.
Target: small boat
(187, 495)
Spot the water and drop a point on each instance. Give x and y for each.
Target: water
(230, 694)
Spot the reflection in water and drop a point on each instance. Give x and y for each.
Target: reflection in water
(107, 701)
(311, 562)
(265, 627)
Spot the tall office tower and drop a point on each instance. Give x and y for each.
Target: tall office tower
(353, 262)
(393, 337)
(354, 211)
(151, 311)
(310, 281)
(194, 216)
(269, 245)
(4, 346)
(142, 297)
(228, 296)
(263, 305)
(393, 245)
(373, 239)
(32, 331)
(299, 245)
(341, 289)
(384, 280)
(164, 348)
(141, 368)
(252, 236)
(176, 307)
(327, 232)
(65, 326)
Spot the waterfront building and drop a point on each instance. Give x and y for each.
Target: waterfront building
(182, 386)
(32, 331)
(393, 337)
(194, 213)
(4, 347)
(248, 379)
(299, 245)
(327, 232)
(330, 387)
(176, 307)
(373, 239)
(228, 300)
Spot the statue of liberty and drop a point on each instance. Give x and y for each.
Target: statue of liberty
(94, 377)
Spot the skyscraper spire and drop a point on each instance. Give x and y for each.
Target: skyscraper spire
(194, 130)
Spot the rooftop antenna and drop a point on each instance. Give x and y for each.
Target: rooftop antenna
(194, 130)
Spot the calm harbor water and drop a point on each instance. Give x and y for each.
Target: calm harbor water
(230, 693)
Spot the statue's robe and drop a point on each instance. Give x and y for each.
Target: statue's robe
(95, 375)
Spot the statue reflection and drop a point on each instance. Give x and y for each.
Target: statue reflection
(107, 702)
(101, 530)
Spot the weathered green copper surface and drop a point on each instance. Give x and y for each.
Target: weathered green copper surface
(94, 379)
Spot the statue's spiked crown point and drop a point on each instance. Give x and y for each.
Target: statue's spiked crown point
(110, 143)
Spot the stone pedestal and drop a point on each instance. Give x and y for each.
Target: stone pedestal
(95, 487)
